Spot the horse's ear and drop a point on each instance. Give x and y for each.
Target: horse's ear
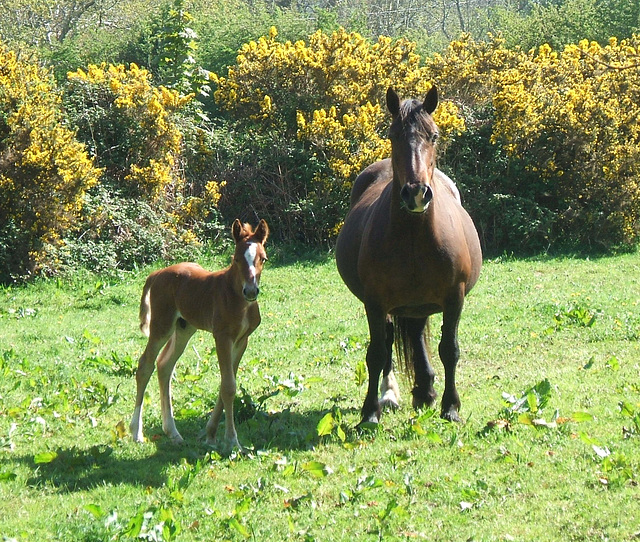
(262, 232)
(393, 102)
(236, 230)
(431, 100)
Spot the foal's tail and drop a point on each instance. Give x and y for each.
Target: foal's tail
(404, 347)
(145, 308)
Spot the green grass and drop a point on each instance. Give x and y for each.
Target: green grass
(558, 336)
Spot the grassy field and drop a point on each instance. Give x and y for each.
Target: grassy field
(549, 380)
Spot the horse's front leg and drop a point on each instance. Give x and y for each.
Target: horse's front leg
(229, 356)
(377, 357)
(389, 389)
(449, 353)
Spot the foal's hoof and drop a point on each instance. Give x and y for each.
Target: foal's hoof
(176, 439)
(226, 448)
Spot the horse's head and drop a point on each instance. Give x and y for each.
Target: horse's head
(250, 255)
(413, 135)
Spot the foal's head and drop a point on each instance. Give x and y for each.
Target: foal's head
(250, 255)
(413, 135)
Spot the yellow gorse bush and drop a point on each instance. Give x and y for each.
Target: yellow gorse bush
(329, 92)
(147, 113)
(44, 170)
(575, 116)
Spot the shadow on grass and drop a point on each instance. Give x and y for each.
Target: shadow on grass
(123, 462)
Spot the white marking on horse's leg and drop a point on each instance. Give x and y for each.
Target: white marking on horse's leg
(136, 425)
(143, 374)
(390, 392)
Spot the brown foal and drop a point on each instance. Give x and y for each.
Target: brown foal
(183, 298)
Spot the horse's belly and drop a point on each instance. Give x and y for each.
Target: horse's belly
(416, 311)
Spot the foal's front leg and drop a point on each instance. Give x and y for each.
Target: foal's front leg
(229, 355)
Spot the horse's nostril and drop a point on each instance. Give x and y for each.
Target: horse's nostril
(427, 194)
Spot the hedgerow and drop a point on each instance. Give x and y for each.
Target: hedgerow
(44, 170)
(562, 139)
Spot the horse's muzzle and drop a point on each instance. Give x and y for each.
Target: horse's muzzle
(250, 293)
(416, 197)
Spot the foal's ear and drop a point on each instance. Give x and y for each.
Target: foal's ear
(393, 102)
(431, 100)
(236, 230)
(262, 232)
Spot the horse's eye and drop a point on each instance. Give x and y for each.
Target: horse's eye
(434, 138)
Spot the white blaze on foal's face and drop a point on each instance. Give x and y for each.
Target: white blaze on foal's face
(250, 256)
(251, 289)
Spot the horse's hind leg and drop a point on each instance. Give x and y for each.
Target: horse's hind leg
(423, 392)
(143, 374)
(449, 354)
(166, 364)
(389, 390)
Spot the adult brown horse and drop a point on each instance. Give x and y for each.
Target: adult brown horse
(408, 250)
(180, 299)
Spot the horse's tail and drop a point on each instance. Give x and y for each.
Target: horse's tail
(404, 348)
(145, 308)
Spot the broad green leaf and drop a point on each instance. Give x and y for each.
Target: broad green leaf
(95, 510)
(325, 425)
(44, 457)
(361, 373)
(588, 440)
(315, 468)
(7, 476)
(526, 418)
(432, 436)
(581, 417)
(613, 363)
(238, 527)
(626, 409)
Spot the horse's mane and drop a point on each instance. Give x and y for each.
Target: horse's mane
(412, 114)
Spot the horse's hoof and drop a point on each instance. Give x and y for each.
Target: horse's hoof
(451, 415)
(390, 401)
(423, 398)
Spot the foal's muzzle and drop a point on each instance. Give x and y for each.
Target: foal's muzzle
(416, 197)
(250, 292)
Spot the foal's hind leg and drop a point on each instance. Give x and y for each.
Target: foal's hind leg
(449, 354)
(423, 392)
(143, 374)
(166, 364)
(389, 390)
